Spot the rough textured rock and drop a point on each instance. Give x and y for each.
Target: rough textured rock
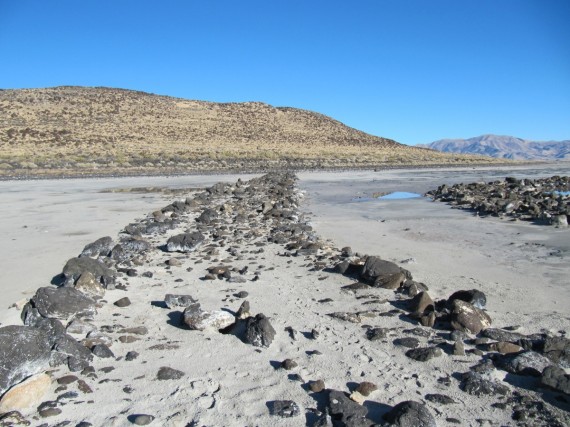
(24, 351)
(173, 301)
(474, 297)
(366, 387)
(63, 303)
(129, 248)
(468, 318)
(458, 348)
(122, 302)
(410, 414)
(102, 351)
(525, 363)
(186, 242)
(317, 386)
(374, 267)
(68, 350)
(347, 317)
(556, 378)
(389, 281)
(409, 342)
(374, 334)
(243, 311)
(423, 354)
(166, 373)
(289, 364)
(474, 383)
(198, 319)
(89, 285)
(26, 394)
(421, 302)
(259, 331)
(505, 347)
(440, 399)
(524, 199)
(100, 247)
(13, 418)
(557, 349)
(284, 408)
(346, 412)
(502, 335)
(207, 216)
(75, 267)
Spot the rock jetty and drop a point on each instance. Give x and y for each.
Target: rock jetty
(545, 200)
(226, 308)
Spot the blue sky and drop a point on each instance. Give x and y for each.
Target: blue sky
(412, 70)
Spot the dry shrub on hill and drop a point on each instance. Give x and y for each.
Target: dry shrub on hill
(103, 129)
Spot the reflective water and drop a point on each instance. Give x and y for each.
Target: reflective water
(396, 195)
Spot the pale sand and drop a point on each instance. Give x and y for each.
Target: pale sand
(46, 222)
(228, 382)
(523, 268)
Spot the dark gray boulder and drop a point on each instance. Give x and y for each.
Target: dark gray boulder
(345, 412)
(186, 242)
(100, 247)
(556, 378)
(102, 351)
(473, 297)
(410, 414)
(166, 373)
(375, 268)
(525, 363)
(409, 342)
(68, 350)
(258, 331)
(502, 335)
(173, 301)
(423, 354)
(24, 351)
(75, 267)
(441, 399)
(284, 408)
(62, 303)
(52, 327)
(159, 227)
(207, 216)
(466, 317)
(421, 302)
(474, 383)
(127, 249)
(557, 349)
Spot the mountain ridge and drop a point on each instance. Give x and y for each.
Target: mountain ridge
(86, 128)
(504, 147)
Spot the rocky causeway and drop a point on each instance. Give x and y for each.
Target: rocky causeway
(226, 307)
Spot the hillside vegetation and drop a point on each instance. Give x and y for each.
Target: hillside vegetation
(80, 130)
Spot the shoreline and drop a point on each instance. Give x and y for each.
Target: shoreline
(220, 379)
(175, 173)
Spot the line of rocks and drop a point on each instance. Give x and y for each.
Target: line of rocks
(543, 200)
(58, 327)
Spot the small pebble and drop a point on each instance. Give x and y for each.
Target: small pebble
(123, 302)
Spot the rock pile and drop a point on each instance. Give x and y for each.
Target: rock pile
(544, 200)
(220, 238)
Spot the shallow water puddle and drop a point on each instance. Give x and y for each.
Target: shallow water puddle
(396, 195)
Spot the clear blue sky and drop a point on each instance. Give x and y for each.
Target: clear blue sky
(412, 70)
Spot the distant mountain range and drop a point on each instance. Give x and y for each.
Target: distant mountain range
(504, 147)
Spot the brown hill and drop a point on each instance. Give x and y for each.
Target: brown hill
(104, 130)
